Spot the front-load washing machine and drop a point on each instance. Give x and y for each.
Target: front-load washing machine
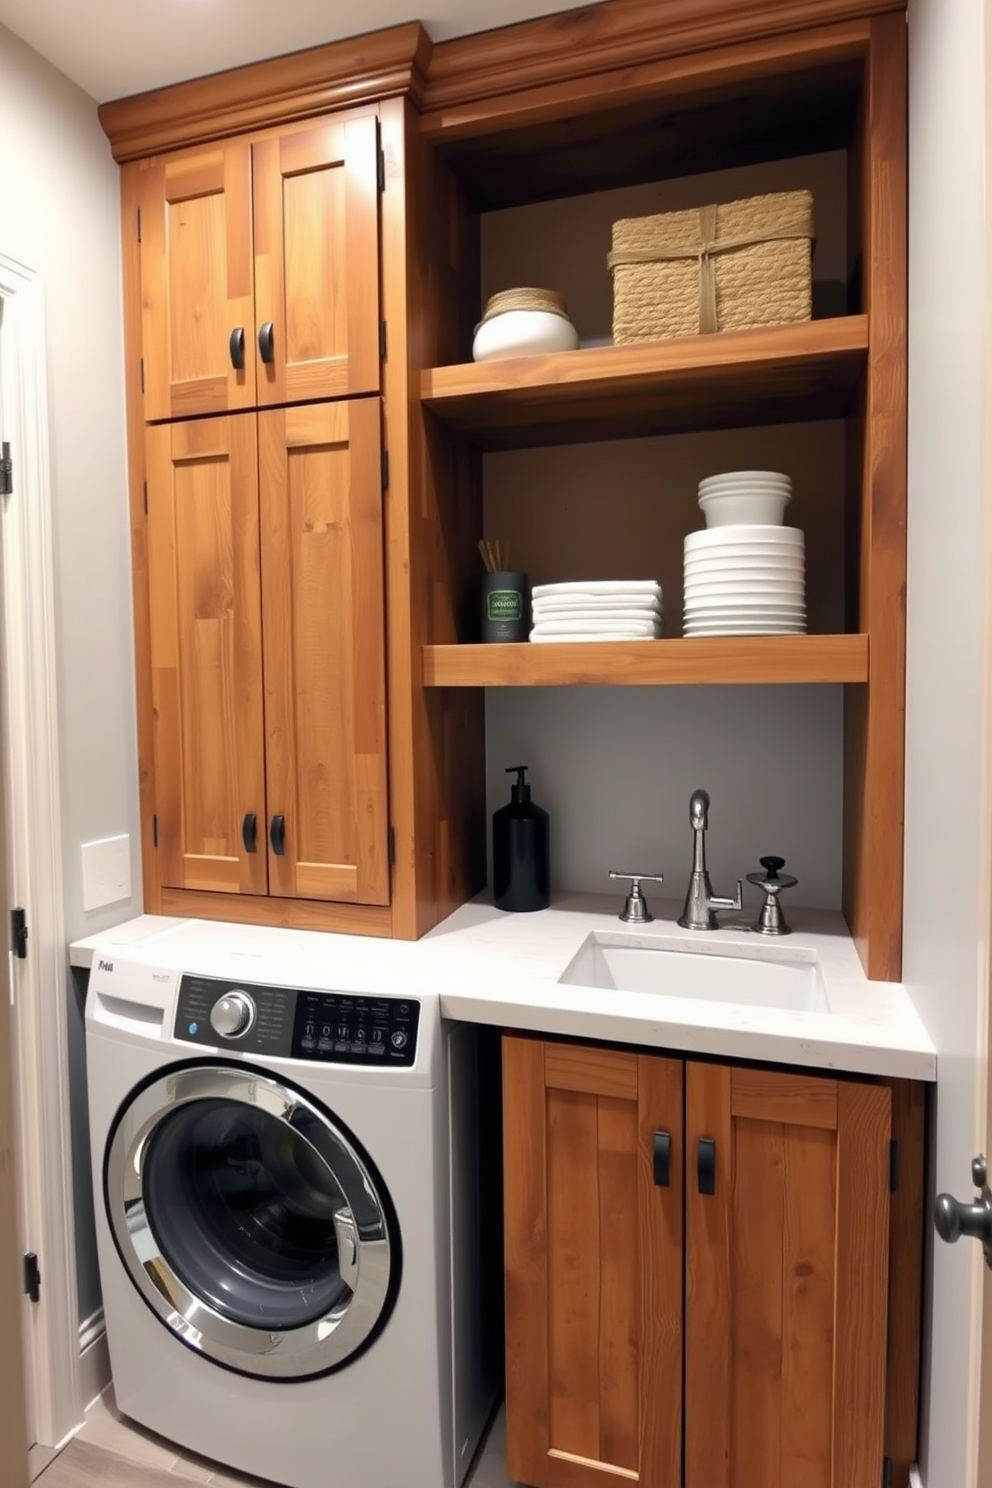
(286, 1196)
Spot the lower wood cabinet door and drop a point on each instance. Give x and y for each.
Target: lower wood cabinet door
(206, 653)
(593, 1190)
(787, 1233)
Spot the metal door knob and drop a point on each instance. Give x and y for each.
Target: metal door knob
(232, 1014)
(952, 1219)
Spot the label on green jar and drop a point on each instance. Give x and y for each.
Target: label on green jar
(504, 604)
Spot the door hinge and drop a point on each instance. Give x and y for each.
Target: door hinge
(19, 933)
(380, 170)
(391, 846)
(142, 369)
(145, 493)
(382, 339)
(886, 1472)
(155, 831)
(893, 1166)
(139, 224)
(32, 1277)
(6, 470)
(385, 470)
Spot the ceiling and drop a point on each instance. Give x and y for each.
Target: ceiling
(115, 47)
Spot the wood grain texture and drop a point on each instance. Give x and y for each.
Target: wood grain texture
(861, 1286)
(134, 407)
(324, 649)
(316, 225)
(908, 1221)
(206, 651)
(726, 659)
(771, 374)
(295, 914)
(196, 280)
(301, 85)
(607, 1072)
(874, 752)
(770, 1095)
(614, 38)
(660, 1311)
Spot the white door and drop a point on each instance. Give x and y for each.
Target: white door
(948, 920)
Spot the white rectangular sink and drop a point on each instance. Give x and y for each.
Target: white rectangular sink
(767, 977)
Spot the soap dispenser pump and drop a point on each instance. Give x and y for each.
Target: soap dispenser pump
(521, 850)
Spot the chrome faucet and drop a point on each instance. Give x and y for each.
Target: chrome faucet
(701, 904)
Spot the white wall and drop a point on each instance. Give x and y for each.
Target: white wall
(59, 214)
(946, 512)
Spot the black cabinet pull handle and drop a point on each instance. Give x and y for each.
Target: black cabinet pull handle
(249, 832)
(238, 348)
(266, 342)
(706, 1165)
(277, 835)
(662, 1159)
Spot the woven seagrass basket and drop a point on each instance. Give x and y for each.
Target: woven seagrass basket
(720, 268)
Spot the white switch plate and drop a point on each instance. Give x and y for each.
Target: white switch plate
(106, 871)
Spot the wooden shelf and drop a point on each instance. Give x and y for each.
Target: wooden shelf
(724, 659)
(775, 374)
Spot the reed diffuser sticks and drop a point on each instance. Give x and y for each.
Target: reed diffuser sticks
(495, 554)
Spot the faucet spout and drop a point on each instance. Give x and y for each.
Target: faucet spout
(701, 904)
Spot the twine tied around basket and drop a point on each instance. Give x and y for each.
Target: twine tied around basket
(798, 226)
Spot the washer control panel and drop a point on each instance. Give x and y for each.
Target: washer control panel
(331, 1027)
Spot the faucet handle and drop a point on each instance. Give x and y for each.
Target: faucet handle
(717, 902)
(771, 920)
(635, 910)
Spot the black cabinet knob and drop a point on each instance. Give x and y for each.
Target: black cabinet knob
(237, 345)
(277, 835)
(249, 832)
(706, 1166)
(266, 342)
(662, 1159)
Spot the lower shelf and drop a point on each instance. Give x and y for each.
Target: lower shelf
(723, 659)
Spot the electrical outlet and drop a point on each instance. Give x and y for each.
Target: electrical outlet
(106, 871)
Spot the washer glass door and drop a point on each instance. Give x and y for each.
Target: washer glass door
(250, 1222)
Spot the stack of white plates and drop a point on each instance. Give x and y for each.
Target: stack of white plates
(745, 580)
(597, 610)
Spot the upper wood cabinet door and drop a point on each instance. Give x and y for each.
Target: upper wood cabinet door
(196, 282)
(593, 1266)
(206, 652)
(324, 646)
(787, 1279)
(317, 262)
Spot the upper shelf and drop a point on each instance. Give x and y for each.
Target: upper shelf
(775, 374)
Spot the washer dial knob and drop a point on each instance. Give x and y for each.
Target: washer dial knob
(232, 1014)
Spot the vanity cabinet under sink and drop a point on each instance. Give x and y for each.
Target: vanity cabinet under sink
(705, 1271)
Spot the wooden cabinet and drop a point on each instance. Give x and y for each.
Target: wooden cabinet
(265, 562)
(260, 270)
(745, 1338)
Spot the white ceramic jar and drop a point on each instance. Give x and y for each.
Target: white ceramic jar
(524, 322)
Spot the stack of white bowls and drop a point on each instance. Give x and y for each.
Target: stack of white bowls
(597, 610)
(745, 574)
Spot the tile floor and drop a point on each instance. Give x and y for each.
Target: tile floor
(110, 1452)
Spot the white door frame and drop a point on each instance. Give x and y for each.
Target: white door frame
(40, 982)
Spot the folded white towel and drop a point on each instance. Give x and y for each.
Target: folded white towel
(544, 612)
(597, 627)
(599, 586)
(593, 602)
(611, 635)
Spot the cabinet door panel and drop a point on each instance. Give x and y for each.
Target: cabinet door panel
(205, 622)
(786, 1266)
(317, 261)
(594, 1267)
(196, 281)
(324, 643)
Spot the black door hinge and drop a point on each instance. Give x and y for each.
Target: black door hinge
(145, 490)
(886, 1472)
(385, 470)
(391, 846)
(382, 339)
(139, 224)
(893, 1166)
(155, 831)
(142, 369)
(6, 470)
(380, 170)
(19, 933)
(32, 1277)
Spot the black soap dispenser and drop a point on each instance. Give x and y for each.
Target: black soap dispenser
(521, 850)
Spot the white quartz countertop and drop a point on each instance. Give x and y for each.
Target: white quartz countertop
(504, 969)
